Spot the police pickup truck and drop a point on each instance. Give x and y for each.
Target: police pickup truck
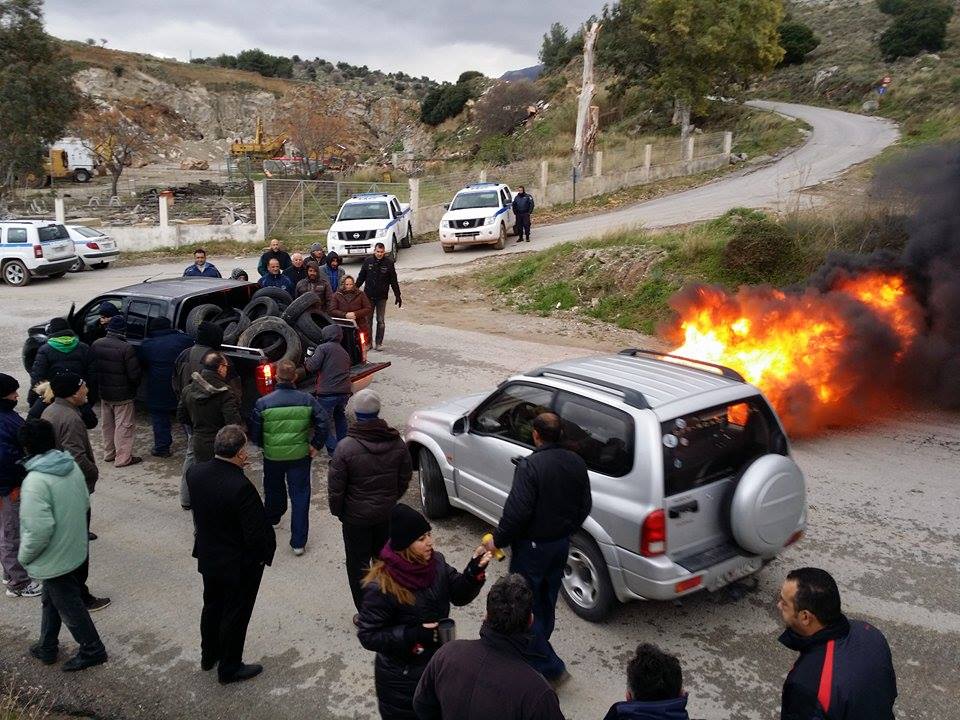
(369, 218)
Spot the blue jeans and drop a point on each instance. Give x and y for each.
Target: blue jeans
(542, 564)
(336, 407)
(162, 436)
(279, 476)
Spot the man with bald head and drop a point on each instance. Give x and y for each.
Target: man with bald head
(297, 270)
(548, 502)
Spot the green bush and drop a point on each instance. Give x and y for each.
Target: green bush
(444, 102)
(919, 26)
(892, 7)
(468, 75)
(797, 41)
(760, 251)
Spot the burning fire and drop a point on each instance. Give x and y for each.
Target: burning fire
(810, 352)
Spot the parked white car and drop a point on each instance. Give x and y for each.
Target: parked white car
(94, 248)
(369, 218)
(34, 248)
(480, 214)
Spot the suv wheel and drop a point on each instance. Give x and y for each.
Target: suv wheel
(408, 239)
(586, 583)
(15, 273)
(81, 175)
(433, 493)
(394, 250)
(77, 266)
(502, 240)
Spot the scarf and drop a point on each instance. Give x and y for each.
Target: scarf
(7, 405)
(411, 575)
(64, 343)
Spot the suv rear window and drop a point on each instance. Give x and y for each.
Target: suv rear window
(709, 445)
(52, 232)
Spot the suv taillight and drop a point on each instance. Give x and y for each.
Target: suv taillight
(363, 346)
(264, 379)
(93, 246)
(653, 534)
(38, 251)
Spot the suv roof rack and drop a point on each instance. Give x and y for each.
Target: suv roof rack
(369, 195)
(633, 398)
(481, 185)
(728, 373)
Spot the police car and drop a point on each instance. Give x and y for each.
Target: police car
(480, 214)
(367, 219)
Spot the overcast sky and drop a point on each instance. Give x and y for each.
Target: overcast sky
(437, 38)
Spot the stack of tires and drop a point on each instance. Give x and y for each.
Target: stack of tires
(283, 328)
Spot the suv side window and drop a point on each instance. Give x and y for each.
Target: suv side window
(16, 235)
(601, 435)
(139, 313)
(396, 207)
(509, 413)
(507, 197)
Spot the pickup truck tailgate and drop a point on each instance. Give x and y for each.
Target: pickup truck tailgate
(362, 374)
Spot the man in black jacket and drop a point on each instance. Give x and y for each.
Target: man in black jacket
(118, 377)
(63, 351)
(376, 277)
(332, 364)
(274, 252)
(845, 670)
(489, 677)
(232, 543)
(522, 209)
(548, 502)
(158, 356)
(369, 473)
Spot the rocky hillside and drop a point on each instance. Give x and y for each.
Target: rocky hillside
(218, 105)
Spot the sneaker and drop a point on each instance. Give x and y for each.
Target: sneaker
(135, 460)
(96, 603)
(6, 580)
(32, 589)
(184, 507)
(378, 348)
(298, 551)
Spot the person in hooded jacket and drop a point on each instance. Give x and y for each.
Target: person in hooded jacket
(654, 688)
(369, 473)
(158, 355)
(407, 591)
(118, 377)
(64, 351)
(332, 365)
(316, 282)
(349, 302)
(332, 270)
(206, 405)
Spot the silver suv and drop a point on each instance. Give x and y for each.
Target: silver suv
(693, 485)
(34, 248)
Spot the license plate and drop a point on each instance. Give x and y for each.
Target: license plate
(737, 572)
(468, 235)
(356, 251)
(107, 246)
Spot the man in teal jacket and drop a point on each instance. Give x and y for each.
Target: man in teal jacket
(290, 426)
(53, 544)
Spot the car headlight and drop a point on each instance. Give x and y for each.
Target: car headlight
(381, 232)
(490, 220)
(332, 235)
(445, 223)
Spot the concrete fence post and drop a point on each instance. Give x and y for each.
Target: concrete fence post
(414, 193)
(688, 150)
(647, 157)
(727, 143)
(164, 211)
(544, 176)
(59, 210)
(483, 175)
(598, 163)
(260, 208)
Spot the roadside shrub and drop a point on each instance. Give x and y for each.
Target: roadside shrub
(468, 75)
(444, 102)
(919, 26)
(797, 40)
(118, 70)
(498, 150)
(759, 251)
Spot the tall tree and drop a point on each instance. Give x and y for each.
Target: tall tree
(37, 98)
(315, 132)
(118, 137)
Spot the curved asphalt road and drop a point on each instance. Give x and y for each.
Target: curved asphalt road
(839, 140)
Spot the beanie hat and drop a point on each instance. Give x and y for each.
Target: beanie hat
(8, 384)
(366, 405)
(108, 309)
(57, 325)
(65, 384)
(117, 325)
(316, 247)
(406, 525)
(210, 335)
(160, 323)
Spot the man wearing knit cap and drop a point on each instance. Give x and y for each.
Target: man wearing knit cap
(64, 351)
(118, 377)
(318, 254)
(369, 473)
(98, 328)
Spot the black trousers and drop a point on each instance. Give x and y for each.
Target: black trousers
(362, 544)
(227, 606)
(380, 310)
(83, 572)
(523, 226)
(62, 604)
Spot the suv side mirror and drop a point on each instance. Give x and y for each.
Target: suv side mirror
(446, 206)
(459, 426)
(333, 217)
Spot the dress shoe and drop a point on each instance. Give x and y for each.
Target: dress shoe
(135, 460)
(91, 536)
(77, 662)
(47, 657)
(244, 673)
(208, 663)
(356, 620)
(161, 453)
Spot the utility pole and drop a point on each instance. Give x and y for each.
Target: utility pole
(586, 130)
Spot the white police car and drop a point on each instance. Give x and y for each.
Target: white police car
(366, 219)
(480, 214)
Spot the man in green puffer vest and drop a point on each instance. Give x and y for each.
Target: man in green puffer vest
(53, 544)
(291, 427)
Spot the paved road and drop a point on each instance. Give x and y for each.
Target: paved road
(839, 140)
(884, 516)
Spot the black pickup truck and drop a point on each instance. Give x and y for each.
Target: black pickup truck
(174, 299)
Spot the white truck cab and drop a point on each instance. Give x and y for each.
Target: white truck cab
(366, 219)
(480, 214)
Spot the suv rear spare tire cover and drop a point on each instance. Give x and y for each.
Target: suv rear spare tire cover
(769, 504)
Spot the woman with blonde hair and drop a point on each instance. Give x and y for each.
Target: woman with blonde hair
(406, 593)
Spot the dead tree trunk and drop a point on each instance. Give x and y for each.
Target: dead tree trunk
(585, 132)
(681, 117)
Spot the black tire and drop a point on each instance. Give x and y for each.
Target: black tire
(586, 585)
(81, 175)
(407, 239)
(201, 313)
(433, 492)
(394, 250)
(233, 329)
(258, 336)
(447, 248)
(502, 239)
(261, 307)
(78, 265)
(100, 266)
(279, 294)
(15, 273)
(299, 306)
(311, 325)
(57, 276)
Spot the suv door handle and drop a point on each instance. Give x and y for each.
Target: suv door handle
(677, 510)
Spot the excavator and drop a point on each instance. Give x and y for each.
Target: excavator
(262, 148)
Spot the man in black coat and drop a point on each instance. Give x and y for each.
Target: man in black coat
(845, 669)
(118, 377)
(157, 354)
(489, 677)
(522, 209)
(548, 502)
(232, 543)
(376, 277)
(274, 252)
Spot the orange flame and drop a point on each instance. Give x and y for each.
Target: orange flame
(796, 347)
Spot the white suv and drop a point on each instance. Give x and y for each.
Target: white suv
(34, 248)
(366, 219)
(480, 214)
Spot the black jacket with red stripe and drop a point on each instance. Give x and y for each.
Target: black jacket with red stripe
(844, 672)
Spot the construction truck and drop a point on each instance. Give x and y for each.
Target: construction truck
(262, 148)
(67, 159)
